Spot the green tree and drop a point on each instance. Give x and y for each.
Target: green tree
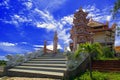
(116, 14)
(116, 8)
(94, 50)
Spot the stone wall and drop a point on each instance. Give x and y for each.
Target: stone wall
(106, 65)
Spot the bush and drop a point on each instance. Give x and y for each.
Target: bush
(107, 52)
(99, 76)
(2, 62)
(96, 76)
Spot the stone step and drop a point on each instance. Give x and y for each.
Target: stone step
(50, 57)
(54, 59)
(44, 65)
(48, 62)
(54, 69)
(37, 72)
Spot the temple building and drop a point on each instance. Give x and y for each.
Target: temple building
(102, 33)
(117, 49)
(88, 30)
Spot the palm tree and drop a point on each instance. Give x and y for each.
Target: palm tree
(94, 51)
(116, 8)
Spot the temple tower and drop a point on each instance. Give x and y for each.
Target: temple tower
(80, 31)
(55, 41)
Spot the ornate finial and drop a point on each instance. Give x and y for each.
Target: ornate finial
(107, 23)
(114, 25)
(91, 19)
(81, 8)
(55, 35)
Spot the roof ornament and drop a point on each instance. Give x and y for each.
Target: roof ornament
(91, 19)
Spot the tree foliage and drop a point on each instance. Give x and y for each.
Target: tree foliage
(94, 49)
(116, 8)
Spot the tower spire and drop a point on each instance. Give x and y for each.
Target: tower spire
(55, 41)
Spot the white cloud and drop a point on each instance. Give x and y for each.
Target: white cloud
(36, 49)
(68, 48)
(108, 17)
(67, 20)
(55, 4)
(28, 4)
(50, 5)
(50, 24)
(7, 44)
(11, 48)
(50, 46)
(2, 58)
(20, 18)
(99, 14)
(17, 20)
(38, 46)
(5, 3)
(117, 42)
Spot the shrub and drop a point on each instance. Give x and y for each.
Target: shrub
(2, 62)
(107, 52)
(99, 76)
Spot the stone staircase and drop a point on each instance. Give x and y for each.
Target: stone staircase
(46, 66)
(108, 65)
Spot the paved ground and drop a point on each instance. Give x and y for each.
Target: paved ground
(24, 78)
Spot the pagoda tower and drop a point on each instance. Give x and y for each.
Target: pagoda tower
(55, 43)
(80, 31)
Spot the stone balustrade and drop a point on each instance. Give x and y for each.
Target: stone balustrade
(17, 59)
(72, 62)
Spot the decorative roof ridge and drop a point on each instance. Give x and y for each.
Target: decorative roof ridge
(92, 20)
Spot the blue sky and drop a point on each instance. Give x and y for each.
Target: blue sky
(25, 24)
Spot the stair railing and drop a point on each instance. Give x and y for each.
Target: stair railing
(72, 62)
(17, 59)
